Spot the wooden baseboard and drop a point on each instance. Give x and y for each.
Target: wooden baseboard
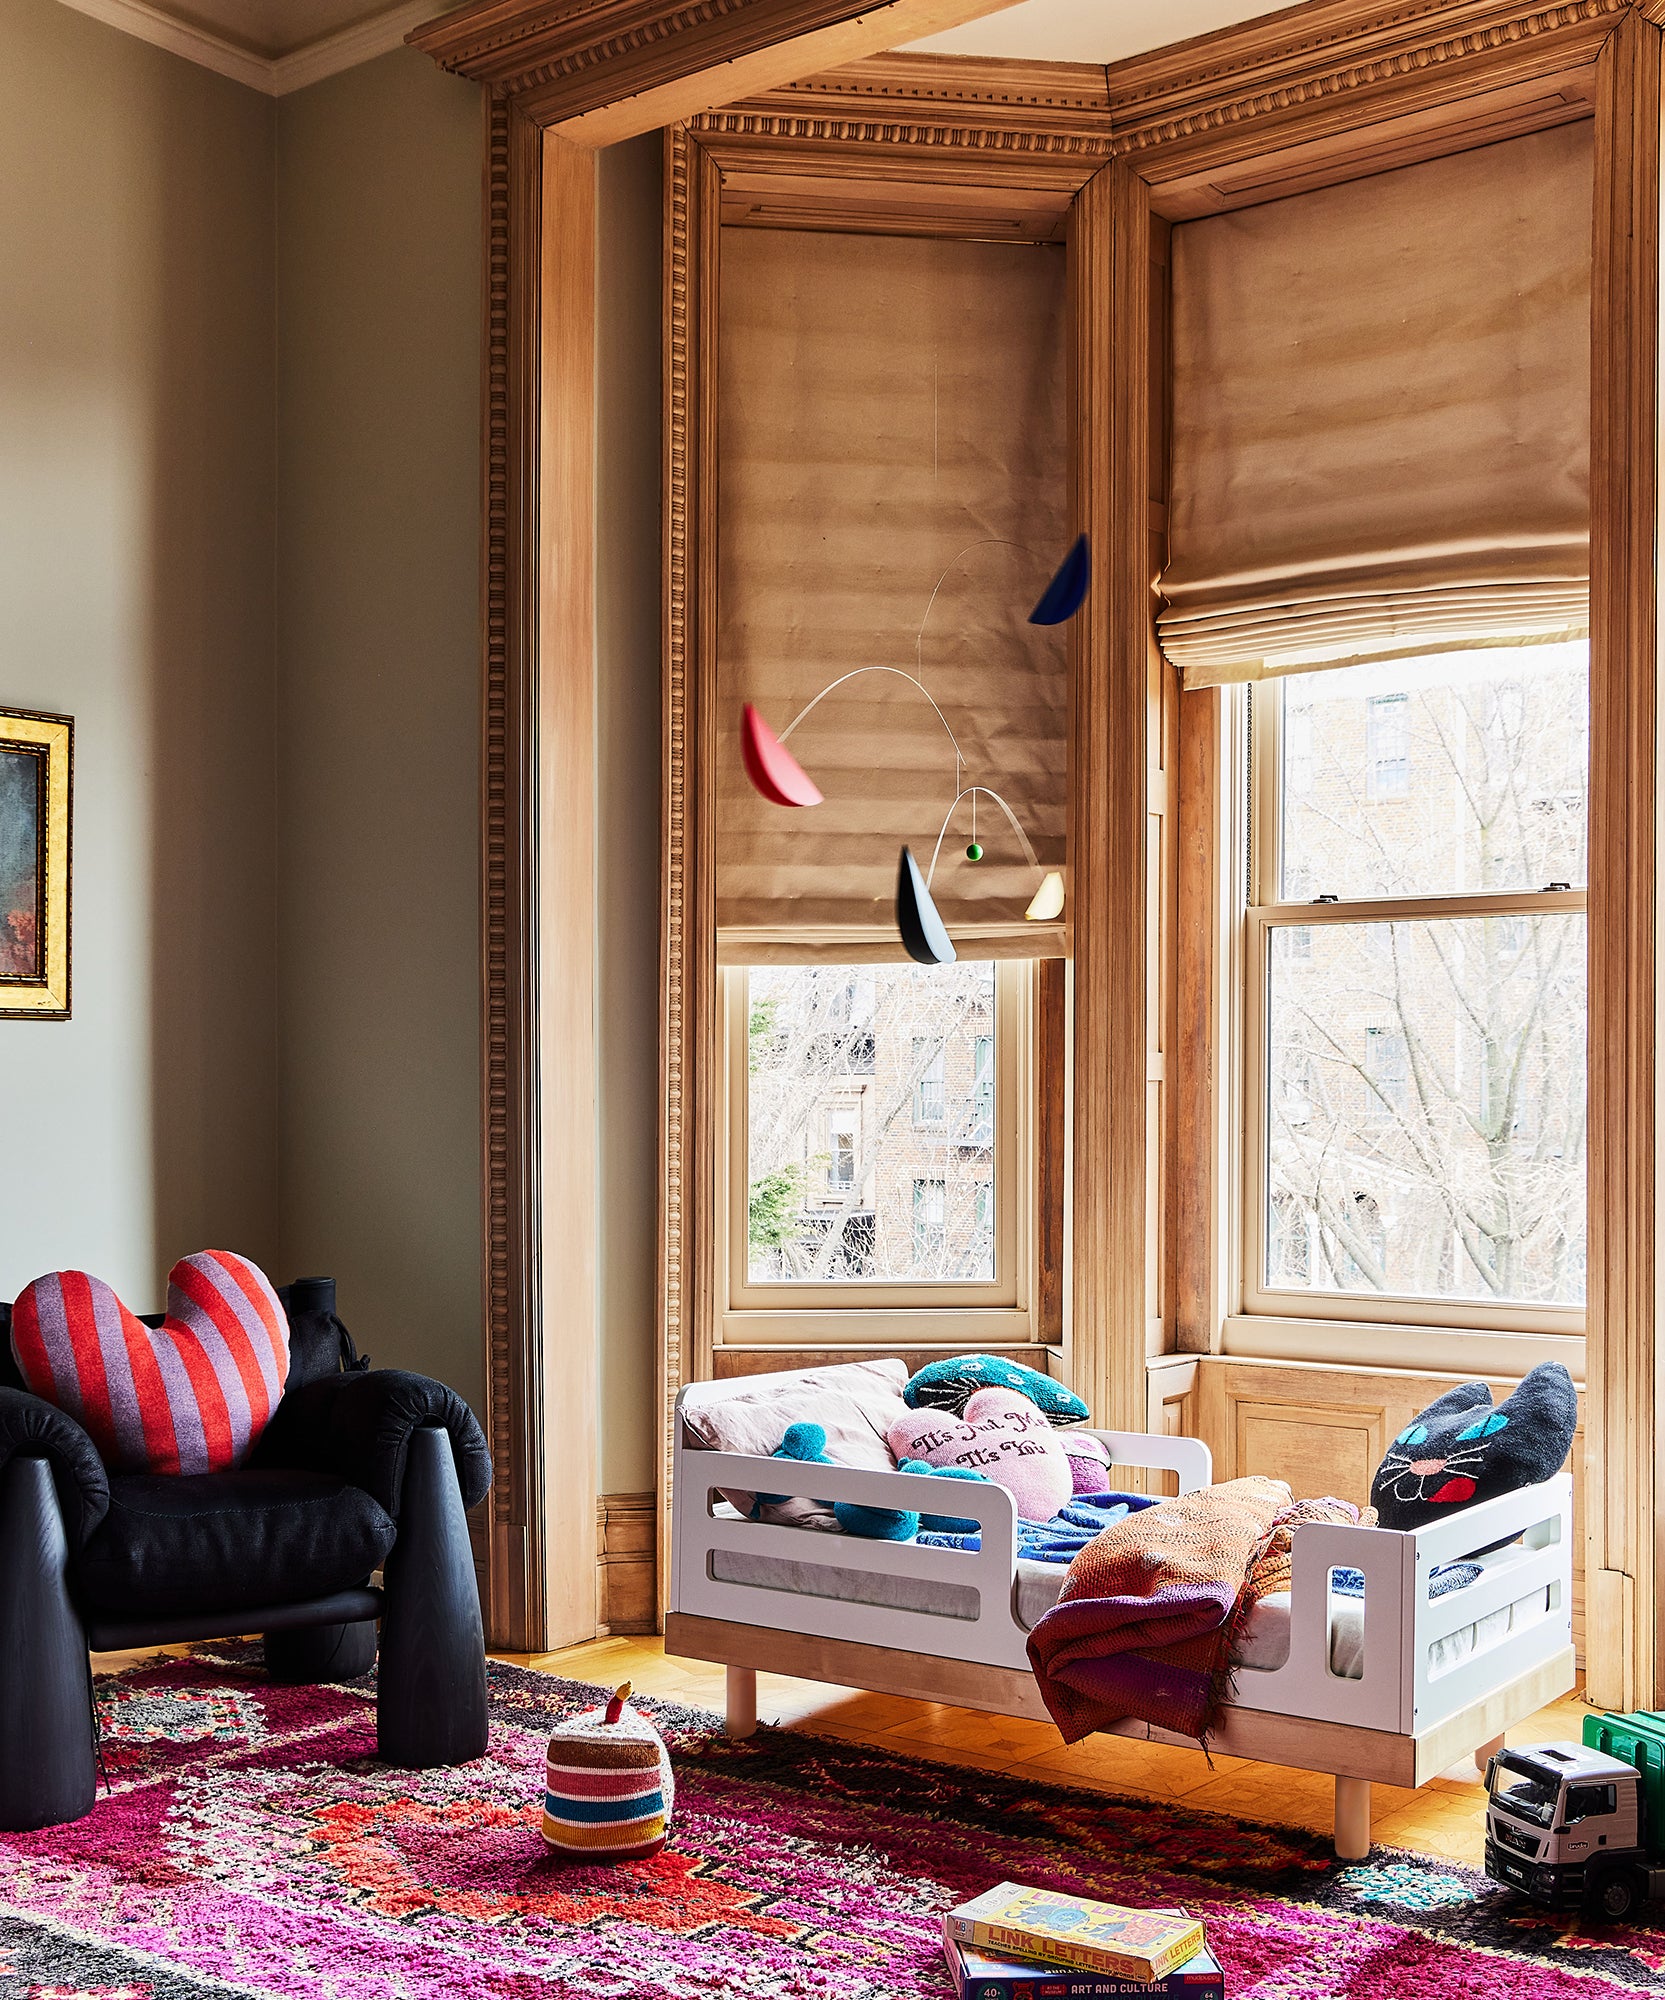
(626, 1584)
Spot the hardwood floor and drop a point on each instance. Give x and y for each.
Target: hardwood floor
(1445, 1817)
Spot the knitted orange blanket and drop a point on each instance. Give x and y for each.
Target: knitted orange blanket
(1143, 1623)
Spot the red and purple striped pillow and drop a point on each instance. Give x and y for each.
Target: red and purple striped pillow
(191, 1395)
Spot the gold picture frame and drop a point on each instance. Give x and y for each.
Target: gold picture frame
(37, 754)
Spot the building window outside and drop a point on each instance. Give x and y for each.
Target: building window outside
(930, 1222)
(841, 1149)
(1417, 1010)
(929, 1099)
(1388, 746)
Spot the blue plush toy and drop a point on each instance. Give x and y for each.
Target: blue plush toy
(946, 1524)
(807, 1443)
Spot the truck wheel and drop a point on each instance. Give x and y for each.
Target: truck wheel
(1613, 1893)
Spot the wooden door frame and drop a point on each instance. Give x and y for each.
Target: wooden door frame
(560, 82)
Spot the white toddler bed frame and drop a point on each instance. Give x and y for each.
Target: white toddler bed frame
(1403, 1721)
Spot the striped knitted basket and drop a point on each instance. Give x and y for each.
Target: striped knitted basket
(609, 1789)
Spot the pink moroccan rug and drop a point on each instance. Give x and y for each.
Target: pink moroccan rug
(249, 1845)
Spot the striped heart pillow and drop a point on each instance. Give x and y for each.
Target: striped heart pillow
(191, 1395)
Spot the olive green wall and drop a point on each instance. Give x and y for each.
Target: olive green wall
(136, 382)
(378, 219)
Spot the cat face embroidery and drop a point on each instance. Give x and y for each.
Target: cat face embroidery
(1416, 1469)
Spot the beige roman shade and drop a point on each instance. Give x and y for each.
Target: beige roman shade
(883, 402)
(1380, 417)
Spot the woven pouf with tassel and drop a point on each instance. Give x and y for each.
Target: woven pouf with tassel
(609, 1788)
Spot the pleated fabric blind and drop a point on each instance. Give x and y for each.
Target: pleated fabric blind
(1380, 416)
(882, 403)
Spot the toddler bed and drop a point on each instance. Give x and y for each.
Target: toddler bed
(1388, 1680)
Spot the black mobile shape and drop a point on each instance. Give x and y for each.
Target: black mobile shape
(1066, 593)
(923, 937)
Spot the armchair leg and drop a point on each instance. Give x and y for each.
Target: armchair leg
(321, 1653)
(47, 1760)
(431, 1696)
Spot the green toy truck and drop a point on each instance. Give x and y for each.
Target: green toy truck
(1582, 1822)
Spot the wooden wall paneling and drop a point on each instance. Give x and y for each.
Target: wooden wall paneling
(565, 835)
(606, 70)
(1624, 1275)
(1325, 1429)
(1109, 783)
(1052, 1112)
(537, 864)
(688, 915)
(626, 1591)
(1198, 1070)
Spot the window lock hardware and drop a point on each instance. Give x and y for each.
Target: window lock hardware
(1549, 888)
(1326, 899)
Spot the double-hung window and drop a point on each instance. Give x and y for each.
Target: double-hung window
(879, 1150)
(1415, 950)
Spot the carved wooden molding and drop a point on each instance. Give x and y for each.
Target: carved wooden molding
(1294, 57)
(514, 1606)
(603, 70)
(688, 912)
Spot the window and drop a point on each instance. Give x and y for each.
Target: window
(876, 1156)
(1387, 745)
(930, 1064)
(841, 1148)
(930, 1223)
(980, 1131)
(1387, 1065)
(1416, 993)
(1589, 1802)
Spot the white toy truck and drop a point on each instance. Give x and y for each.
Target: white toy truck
(1582, 1822)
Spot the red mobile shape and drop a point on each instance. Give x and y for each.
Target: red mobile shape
(772, 768)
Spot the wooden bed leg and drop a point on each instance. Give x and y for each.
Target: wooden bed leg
(1352, 1818)
(1485, 1753)
(740, 1717)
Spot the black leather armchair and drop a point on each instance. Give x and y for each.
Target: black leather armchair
(358, 1470)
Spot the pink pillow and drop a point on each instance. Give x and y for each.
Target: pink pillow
(1004, 1437)
(191, 1395)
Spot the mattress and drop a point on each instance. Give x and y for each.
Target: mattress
(1263, 1645)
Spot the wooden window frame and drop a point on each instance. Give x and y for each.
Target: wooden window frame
(923, 146)
(1350, 94)
(1265, 911)
(890, 1314)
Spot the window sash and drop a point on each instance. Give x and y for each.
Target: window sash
(1265, 912)
(854, 1310)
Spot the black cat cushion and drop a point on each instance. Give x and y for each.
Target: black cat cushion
(1460, 1450)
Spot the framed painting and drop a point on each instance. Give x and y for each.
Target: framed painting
(36, 753)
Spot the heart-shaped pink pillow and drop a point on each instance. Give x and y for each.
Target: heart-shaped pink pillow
(191, 1395)
(1003, 1436)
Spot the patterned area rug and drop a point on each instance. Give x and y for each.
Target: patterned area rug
(250, 1845)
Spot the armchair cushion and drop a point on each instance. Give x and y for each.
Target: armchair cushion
(359, 1426)
(30, 1428)
(225, 1540)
